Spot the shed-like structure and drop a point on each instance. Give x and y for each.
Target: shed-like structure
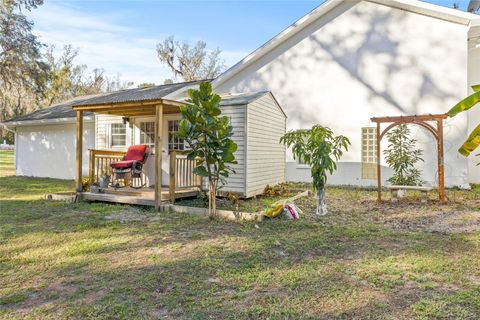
(258, 122)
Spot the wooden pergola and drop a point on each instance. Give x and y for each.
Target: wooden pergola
(156, 108)
(425, 122)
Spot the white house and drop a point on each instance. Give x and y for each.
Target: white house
(348, 61)
(45, 139)
(338, 66)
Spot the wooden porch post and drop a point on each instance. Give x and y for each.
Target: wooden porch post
(172, 170)
(379, 168)
(158, 155)
(79, 151)
(441, 172)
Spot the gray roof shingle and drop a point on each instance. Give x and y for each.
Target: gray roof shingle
(64, 109)
(57, 111)
(137, 94)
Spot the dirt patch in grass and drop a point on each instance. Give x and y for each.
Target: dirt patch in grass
(363, 260)
(129, 214)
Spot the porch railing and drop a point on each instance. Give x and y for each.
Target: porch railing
(181, 173)
(100, 160)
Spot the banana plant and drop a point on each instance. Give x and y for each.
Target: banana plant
(473, 140)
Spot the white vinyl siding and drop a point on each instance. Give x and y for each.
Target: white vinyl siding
(266, 124)
(103, 138)
(236, 181)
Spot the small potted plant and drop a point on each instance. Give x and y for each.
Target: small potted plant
(104, 179)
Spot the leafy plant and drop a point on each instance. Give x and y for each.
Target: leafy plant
(473, 140)
(401, 156)
(319, 148)
(209, 136)
(86, 183)
(276, 190)
(234, 199)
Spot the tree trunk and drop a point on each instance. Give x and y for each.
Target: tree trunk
(321, 204)
(212, 200)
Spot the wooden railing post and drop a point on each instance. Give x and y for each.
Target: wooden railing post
(198, 178)
(172, 175)
(91, 165)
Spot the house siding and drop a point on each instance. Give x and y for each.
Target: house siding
(102, 125)
(236, 181)
(362, 60)
(265, 124)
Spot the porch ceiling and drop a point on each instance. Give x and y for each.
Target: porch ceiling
(131, 109)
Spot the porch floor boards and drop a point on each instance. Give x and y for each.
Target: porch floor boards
(144, 196)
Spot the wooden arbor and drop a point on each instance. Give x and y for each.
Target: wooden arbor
(425, 122)
(156, 108)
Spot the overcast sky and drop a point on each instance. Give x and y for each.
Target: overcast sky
(121, 36)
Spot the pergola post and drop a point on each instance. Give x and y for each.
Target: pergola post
(379, 167)
(441, 170)
(79, 151)
(158, 155)
(421, 120)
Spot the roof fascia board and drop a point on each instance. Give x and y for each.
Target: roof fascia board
(47, 122)
(278, 104)
(429, 9)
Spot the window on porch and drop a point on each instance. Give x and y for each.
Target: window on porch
(118, 135)
(174, 142)
(147, 134)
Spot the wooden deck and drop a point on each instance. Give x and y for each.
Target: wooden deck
(144, 197)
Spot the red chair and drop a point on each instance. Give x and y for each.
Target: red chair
(131, 167)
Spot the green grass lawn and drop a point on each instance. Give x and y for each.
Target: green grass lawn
(6, 163)
(100, 261)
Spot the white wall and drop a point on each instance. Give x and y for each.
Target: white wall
(49, 150)
(366, 60)
(347, 173)
(474, 113)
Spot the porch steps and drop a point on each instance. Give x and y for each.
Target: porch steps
(143, 197)
(118, 198)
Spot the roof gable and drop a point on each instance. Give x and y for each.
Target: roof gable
(414, 6)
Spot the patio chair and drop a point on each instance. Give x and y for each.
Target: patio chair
(130, 169)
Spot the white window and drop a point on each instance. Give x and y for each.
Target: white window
(174, 142)
(147, 134)
(118, 135)
(369, 153)
(301, 161)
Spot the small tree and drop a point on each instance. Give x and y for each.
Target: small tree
(319, 148)
(401, 156)
(208, 135)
